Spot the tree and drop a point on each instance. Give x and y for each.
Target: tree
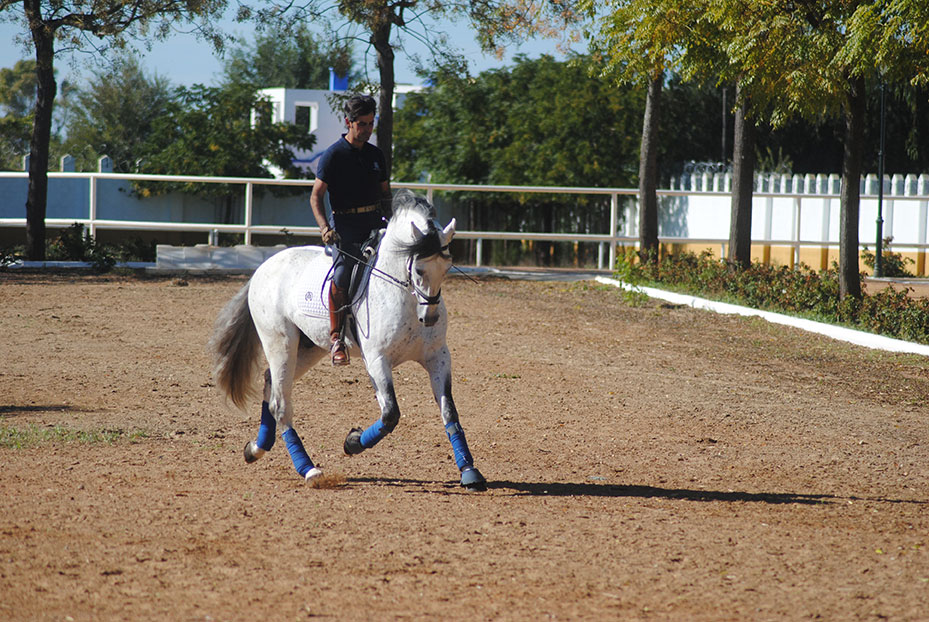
(114, 113)
(17, 92)
(17, 96)
(819, 56)
(539, 122)
(73, 23)
(639, 41)
(497, 22)
(743, 174)
(222, 132)
(287, 56)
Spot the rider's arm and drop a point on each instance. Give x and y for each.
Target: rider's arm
(316, 204)
(386, 200)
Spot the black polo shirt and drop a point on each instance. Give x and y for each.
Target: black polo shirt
(354, 176)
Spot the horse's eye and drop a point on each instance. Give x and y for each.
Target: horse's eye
(420, 271)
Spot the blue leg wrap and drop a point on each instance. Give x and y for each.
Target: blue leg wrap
(298, 454)
(267, 429)
(375, 432)
(459, 445)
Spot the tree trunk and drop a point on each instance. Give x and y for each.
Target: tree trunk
(37, 195)
(849, 275)
(743, 174)
(380, 38)
(648, 173)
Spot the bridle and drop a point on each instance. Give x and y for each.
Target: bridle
(425, 299)
(409, 284)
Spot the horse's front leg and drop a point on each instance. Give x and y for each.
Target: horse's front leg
(440, 375)
(383, 380)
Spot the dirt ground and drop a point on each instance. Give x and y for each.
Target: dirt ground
(644, 463)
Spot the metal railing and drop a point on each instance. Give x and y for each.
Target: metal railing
(607, 249)
(608, 242)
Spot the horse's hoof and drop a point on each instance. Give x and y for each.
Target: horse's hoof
(352, 445)
(472, 479)
(252, 452)
(312, 474)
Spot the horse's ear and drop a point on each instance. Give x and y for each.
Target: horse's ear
(448, 233)
(417, 234)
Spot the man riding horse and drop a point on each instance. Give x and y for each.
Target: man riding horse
(354, 173)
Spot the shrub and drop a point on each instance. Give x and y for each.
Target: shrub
(800, 291)
(73, 245)
(892, 264)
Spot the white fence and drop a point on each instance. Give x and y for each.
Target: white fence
(788, 211)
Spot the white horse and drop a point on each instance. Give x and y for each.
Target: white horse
(399, 317)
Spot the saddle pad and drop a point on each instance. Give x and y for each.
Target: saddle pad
(313, 290)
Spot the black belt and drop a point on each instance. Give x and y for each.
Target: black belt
(357, 210)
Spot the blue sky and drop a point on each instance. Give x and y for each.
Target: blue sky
(185, 60)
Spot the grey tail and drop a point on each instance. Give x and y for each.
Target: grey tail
(235, 347)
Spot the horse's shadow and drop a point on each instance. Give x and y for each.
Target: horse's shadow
(588, 489)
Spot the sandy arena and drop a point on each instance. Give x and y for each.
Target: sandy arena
(644, 463)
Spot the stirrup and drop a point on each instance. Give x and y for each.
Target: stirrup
(338, 353)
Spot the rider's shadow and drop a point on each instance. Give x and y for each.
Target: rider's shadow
(589, 489)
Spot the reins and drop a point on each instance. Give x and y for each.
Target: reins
(404, 285)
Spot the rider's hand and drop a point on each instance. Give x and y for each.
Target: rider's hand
(330, 236)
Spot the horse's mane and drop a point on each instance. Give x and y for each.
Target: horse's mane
(406, 202)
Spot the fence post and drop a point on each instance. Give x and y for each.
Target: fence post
(922, 189)
(92, 206)
(479, 252)
(614, 224)
(248, 213)
(797, 214)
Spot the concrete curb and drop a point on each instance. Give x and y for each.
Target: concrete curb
(848, 335)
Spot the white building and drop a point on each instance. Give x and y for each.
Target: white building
(319, 111)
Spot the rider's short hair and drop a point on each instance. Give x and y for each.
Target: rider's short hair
(358, 106)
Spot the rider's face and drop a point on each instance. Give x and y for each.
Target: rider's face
(360, 130)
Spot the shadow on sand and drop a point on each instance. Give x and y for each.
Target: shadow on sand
(586, 489)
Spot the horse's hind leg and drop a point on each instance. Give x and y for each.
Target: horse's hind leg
(287, 361)
(267, 430)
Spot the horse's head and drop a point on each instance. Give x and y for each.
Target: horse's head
(428, 268)
(428, 259)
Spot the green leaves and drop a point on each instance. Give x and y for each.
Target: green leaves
(210, 131)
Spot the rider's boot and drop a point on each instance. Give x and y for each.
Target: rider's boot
(338, 300)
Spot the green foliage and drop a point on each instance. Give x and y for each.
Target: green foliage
(73, 245)
(114, 114)
(892, 264)
(32, 436)
(11, 254)
(285, 55)
(17, 97)
(210, 131)
(17, 90)
(528, 125)
(799, 291)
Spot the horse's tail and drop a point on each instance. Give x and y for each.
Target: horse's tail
(235, 347)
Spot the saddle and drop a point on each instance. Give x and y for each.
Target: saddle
(312, 296)
(361, 273)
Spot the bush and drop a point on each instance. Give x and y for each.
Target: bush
(800, 291)
(73, 245)
(892, 264)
